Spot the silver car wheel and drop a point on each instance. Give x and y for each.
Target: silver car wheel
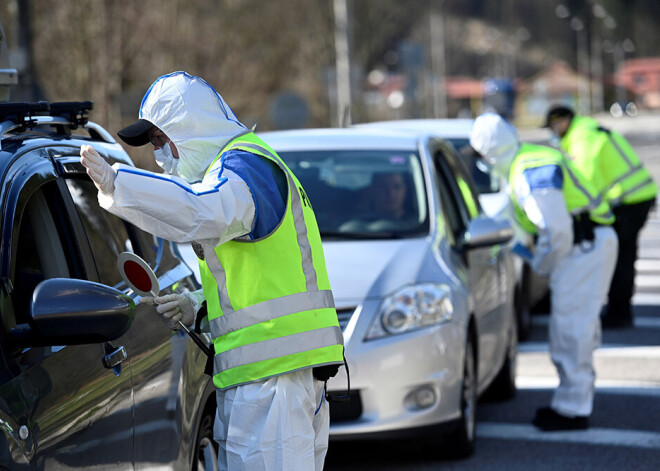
(460, 442)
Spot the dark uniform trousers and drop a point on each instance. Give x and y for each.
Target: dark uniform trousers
(630, 218)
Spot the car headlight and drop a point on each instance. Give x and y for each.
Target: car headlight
(410, 308)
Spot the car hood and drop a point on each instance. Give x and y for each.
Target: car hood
(371, 269)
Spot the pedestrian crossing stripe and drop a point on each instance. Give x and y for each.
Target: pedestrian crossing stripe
(591, 436)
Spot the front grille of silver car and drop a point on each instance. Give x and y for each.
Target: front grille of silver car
(344, 315)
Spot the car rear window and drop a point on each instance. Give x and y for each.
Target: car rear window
(483, 179)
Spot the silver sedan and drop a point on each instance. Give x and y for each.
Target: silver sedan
(422, 278)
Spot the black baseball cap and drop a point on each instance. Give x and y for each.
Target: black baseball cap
(136, 134)
(559, 111)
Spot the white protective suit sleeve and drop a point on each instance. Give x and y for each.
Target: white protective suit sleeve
(546, 209)
(212, 212)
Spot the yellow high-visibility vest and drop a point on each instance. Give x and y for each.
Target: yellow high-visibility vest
(606, 159)
(579, 194)
(269, 302)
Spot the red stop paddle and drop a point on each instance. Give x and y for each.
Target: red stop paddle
(138, 274)
(141, 278)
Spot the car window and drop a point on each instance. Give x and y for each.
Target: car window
(40, 253)
(107, 234)
(485, 181)
(448, 190)
(364, 193)
(458, 190)
(461, 184)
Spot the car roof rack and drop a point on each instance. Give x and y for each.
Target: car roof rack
(65, 115)
(20, 113)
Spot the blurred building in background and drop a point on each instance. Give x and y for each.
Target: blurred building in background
(642, 78)
(557, 83)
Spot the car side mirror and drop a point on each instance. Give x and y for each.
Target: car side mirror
(67, 311)
(485, 232)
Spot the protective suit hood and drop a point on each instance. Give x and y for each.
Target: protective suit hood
(194, 116)
(496, 140)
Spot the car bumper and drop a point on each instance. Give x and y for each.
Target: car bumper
(400, 384)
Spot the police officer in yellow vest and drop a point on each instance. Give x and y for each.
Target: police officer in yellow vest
(270, 308)
(575, 246)
(606, 159)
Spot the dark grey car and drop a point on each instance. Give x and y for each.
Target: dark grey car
(89, 378)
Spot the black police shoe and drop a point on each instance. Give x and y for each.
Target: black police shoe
(548, 420)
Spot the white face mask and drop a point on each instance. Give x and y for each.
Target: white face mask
(166, 160)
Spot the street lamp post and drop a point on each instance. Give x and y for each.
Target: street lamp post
(604, 22)
(438, 71)
(342, 62)
(584, 95)
(581, 35)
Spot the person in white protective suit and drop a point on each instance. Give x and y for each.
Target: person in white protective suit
(270, 309)
(575, 247)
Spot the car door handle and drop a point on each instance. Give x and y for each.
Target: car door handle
(114, 357)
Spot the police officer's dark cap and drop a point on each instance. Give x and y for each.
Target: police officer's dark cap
(559, 111)
(136, 134)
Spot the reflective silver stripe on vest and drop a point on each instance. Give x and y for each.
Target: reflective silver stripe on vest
(298, 220)
(632, 190)
(278, 347)
(220, 279)
(272, 309)
(620, 150)
(629, 173)
(593, 202)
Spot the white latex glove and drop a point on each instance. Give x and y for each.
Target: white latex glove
(173, 308)
(101, 173)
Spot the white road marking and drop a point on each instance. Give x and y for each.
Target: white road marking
(608, 350)
(647, 299)
(647, 281)
(592, 436)
(604, 386)
(649, 253)
(637, 371)
(646, 264)
(646, 322)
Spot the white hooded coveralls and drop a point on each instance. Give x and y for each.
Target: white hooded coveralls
(281, 423)
(579, 277)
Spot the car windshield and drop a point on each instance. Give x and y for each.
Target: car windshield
(484, 181)
(363, 194)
